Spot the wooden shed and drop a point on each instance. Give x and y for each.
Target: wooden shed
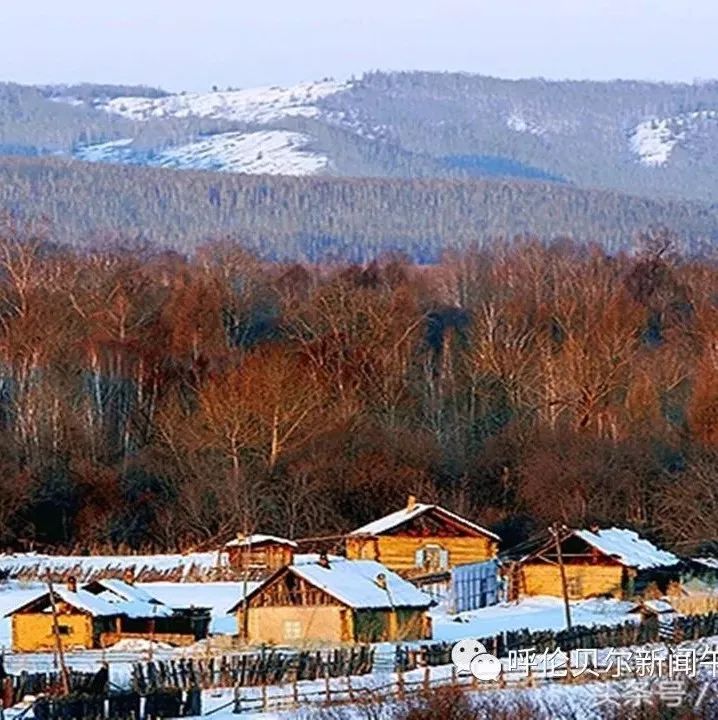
(599, 562)
(421, 539)
(259, 553)
(331, 602)
(145, 617)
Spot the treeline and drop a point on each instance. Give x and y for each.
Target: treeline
(315, 219)
(154, 400)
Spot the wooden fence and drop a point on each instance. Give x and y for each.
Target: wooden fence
(270, 667)
(16, 687)
(681, 628)
(165, 703)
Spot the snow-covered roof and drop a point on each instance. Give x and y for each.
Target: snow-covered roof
(354, 583)
(628, 547)
(125, 591)
(660, 607)
(258, 539)
(79, 599)
(710, 562)
(395, 519)
(129, 600)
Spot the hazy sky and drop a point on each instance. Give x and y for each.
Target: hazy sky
(182, 44)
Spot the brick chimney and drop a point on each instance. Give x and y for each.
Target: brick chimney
(595, 528)
(410, 503)
(323, 560)
(72, 584)
(128, 575)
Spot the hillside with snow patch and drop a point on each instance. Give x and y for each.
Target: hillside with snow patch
(647, 139)
(269, 152)
(257, 105)
(654, 140)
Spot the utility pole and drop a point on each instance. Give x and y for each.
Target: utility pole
(58, 640)
(556, 532)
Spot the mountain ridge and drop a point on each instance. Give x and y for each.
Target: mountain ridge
(649, 139)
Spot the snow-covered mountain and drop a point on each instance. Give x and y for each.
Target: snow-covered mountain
(644, 138)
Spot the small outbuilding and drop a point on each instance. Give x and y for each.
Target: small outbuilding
(80, 619)
(333, 602)
(422, 539)
(613, 562)
(146, 617)
(257, 554)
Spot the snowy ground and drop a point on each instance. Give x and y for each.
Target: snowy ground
(535, 613)
(584, 698)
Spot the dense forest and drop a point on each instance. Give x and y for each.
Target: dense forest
(315, 219)
(151, 399)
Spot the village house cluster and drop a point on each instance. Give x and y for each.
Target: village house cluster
(375, 584)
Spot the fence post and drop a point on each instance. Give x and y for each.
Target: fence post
(237, 700)
(454, 676)
(265, 703)
(295, 692)
(401, 690)
(427, 679)
(327, 685)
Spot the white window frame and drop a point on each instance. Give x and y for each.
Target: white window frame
(292, 629)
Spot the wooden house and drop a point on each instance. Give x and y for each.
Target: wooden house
(333, 602)
(598, 562)
(99, 615)
(422, 539)
(259, 554)
(80, 619)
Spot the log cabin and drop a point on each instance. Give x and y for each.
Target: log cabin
(259, 554)
(98, 616)
(613, 562)
(422, 539)
(331, 602)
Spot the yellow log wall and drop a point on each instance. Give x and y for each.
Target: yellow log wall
(34, 631)
(320, 624)
(545, 579)
(399, 552)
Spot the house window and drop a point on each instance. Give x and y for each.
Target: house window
(64, 630)
(574, 587)
(432, 557)
(292, 630)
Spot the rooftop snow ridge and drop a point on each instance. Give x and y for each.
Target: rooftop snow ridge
(392, 520)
